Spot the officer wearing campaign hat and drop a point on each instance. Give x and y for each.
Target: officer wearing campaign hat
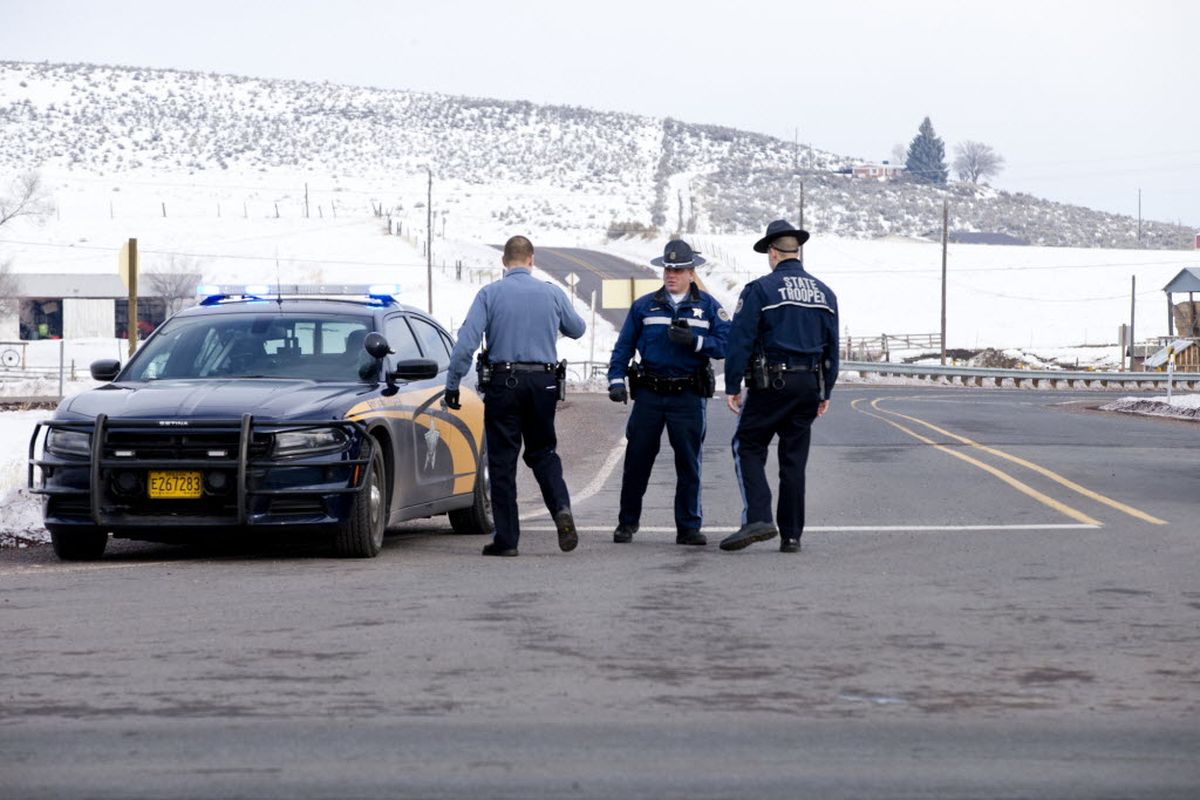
(785, 330)
(676, 331)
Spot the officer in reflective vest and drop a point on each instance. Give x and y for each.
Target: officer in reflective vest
(785, 329)
(522, 318)
(676, 330)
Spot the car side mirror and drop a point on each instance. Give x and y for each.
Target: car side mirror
(105, 369)
(413, 369)
(376, 345)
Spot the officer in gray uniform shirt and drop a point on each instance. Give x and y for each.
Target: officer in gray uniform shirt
(521, 318)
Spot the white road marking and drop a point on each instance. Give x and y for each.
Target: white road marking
(1052, 526)
(610, 463)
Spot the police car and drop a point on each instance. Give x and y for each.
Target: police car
(296, 406)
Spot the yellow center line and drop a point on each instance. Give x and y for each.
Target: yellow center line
(1054, 476)
(1024, 488)
(590, 267)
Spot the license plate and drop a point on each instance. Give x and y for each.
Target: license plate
(175, 485)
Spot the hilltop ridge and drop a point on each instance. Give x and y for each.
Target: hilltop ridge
(580, 169)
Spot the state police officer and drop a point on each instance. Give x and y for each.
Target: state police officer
(676, 329)
(785, 328)
(521, 318)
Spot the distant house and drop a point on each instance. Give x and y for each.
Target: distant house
(882, 171)
(77, 306)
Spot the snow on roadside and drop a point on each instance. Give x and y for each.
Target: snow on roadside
(22, 523)
(1181, 406)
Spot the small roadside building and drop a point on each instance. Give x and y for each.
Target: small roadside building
(76, 306)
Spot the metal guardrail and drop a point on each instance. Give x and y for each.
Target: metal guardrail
(1054, 378)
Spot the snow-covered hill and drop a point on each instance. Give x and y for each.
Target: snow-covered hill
(513, 164)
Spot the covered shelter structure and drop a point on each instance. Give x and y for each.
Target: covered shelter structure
(1183, 324)
(1183, 319)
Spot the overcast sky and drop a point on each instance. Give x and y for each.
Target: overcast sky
(1087, 101)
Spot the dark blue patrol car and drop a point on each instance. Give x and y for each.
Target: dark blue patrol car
(315, 407)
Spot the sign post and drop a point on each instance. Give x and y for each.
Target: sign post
(128, 267)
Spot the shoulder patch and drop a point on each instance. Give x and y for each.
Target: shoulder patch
(723, 314)
(738, 310)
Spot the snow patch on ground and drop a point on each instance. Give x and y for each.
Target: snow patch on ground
(22, 522)
(1180, 406)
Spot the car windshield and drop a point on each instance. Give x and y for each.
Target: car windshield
(310, 346)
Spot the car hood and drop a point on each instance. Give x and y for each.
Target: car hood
(265, 398)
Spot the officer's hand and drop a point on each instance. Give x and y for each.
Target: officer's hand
(618, 394)
(451, 399)
(680, 333)
(734, 401)
(822, 407)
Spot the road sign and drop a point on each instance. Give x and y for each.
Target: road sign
(621, 292)
(571, 280)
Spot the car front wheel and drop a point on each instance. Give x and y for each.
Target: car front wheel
(78, 542)
(361, 536)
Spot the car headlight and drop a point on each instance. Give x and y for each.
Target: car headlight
(68, 443)
(305, 442)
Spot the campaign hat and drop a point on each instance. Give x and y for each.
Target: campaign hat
(678, 254)
(780, 227)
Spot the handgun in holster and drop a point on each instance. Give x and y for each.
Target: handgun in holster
(706, 381)
(756, 372)
(483, 369)
(634, 374)
(560, 379)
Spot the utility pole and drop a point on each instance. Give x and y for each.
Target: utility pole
(1139, 215)
(1132, 312)
(429, 238)
(306, 200)
(945, 239)
(801, 254)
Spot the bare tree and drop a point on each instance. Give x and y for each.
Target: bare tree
(8, 288)
(975, 160)
(26, 197)
(176, 283)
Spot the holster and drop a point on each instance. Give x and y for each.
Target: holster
(706, 381)
(634, 374)
(483, 369)
(756, 372)
(560, 379)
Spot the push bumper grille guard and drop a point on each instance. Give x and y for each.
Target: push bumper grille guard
(243, 463)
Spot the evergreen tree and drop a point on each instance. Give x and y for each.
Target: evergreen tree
(926, 161)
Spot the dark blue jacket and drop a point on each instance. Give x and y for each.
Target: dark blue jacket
(645, 330)
(791, 317)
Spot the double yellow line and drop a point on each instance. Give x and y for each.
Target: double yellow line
(1020, 486)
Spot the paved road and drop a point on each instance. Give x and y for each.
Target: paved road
(591, 267)
(998, 597)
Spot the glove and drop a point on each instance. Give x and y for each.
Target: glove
(680, 333)
(617, 393)
(452, 399)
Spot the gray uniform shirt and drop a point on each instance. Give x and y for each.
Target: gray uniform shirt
(521, 317)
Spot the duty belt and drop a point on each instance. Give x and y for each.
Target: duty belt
(665, 385)
(522, 366)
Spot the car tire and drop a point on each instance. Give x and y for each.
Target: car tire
(78, 542)
(476, 519)
(361, 536)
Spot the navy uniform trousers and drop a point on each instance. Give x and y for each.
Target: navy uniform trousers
(683, 415)
(524, 412)
(786, 412)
